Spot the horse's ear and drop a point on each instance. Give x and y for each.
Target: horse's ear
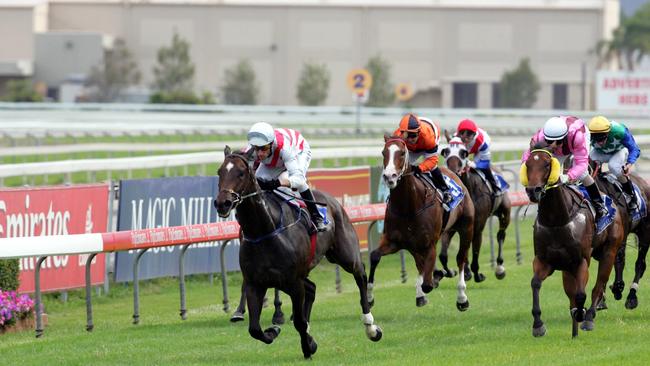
(386, 137)
(463, 154)
(250, 154)
(447, 135)
(445, 152)
(227, 150)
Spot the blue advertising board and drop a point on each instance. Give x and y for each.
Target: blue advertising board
(164, 202)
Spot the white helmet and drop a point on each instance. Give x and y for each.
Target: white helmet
(261, 134)
(555, 129)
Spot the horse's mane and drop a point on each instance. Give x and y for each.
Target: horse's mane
(540, 145)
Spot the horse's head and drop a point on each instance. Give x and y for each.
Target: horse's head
(236, 178)
(540, 171)
(396, 160)
(455, 155)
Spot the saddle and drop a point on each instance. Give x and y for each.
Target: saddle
(456, 191)
(501, 182)
(604, 221)
(293, 199)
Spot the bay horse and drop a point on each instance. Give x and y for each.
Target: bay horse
(276, 250)
(565, 239)
(639, 227)
(415, 219)
(485, 205)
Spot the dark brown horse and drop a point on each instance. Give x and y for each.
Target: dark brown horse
(639, 227)
(485, 205)
(415, 220)
(276, 250)
(565, 239)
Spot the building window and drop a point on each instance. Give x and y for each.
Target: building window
(496, 95)
(465, 95)
(560, 96)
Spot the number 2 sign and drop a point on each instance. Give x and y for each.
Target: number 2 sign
(359, 80)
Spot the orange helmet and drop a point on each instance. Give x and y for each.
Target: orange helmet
(410, 123)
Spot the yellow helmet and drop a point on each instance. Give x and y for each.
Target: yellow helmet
(599, 124)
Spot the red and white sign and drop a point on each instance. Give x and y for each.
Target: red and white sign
(621, 90)
(350, 186)
(55, 211)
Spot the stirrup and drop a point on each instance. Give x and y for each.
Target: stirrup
(446, 196)
(318, 223)
(601, 210)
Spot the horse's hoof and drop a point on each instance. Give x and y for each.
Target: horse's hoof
(312, 347)
(438, 274)
(377, 336)
(272, 332)
(539, 331)
(421, 301)
(237, 317)
(617, 290)
(602, 305)
(587, 325)
(468, 275)
(462, 307)
(479, 278)
(427, 288)
(450, 274)
(632, 301)
(578, 315)
(501, 275)
(278, 318)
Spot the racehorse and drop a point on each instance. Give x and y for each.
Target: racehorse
(277, 252)
(640, 227)
(565, 239)
(415, 219)
(485, 205)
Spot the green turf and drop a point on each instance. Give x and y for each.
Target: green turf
(496, 330)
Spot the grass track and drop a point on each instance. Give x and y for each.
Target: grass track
(496, 330)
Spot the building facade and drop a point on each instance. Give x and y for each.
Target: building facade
(452, 51)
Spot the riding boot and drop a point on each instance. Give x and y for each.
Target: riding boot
(491, 180)
(629, 190)
(439, 182)
(597, 200)
(316, 218)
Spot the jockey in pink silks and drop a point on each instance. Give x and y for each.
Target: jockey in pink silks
(569, 136)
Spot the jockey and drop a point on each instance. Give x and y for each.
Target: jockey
(566, 136)
(422, 138)
(477, 142)
(613, 143)
(284, 157)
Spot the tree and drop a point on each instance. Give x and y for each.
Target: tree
(21, 90)
(313, 84)
(117, 72)
(630, 42)
(240, 86)
(382, 92)
(174, 73)
(518, 88)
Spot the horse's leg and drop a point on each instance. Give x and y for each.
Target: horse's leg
(504, 222)
(462, 303)
(278, 315)
(296, 291)
(420, 298)
(254, 299)
(310, 296)
(574, 287)
(541, 271)
(428, 265)
(604, 270)
(375, 256)
(238, 315)
(639, 268)
(445, 240)
(350, 261)
(477, 241)
(619, 265)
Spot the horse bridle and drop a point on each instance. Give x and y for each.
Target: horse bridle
(238, 197)
(406, 157)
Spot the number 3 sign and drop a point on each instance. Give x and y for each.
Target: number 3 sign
(359, 80)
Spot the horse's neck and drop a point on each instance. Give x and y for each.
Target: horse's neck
(406, 190)
(554, 207)
(254, 216)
